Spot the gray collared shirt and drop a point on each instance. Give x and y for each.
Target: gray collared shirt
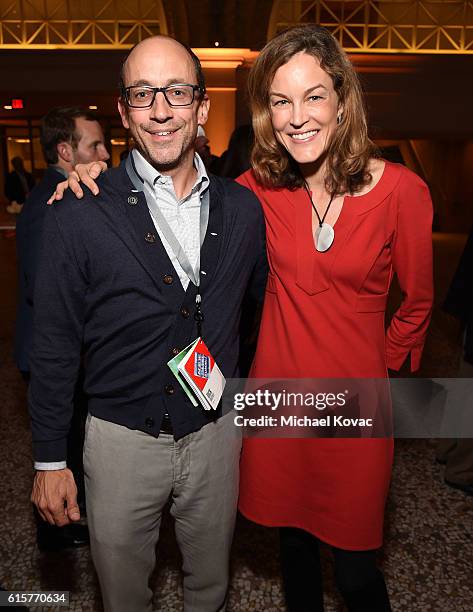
(182, 215)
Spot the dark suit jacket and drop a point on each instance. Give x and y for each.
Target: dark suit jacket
(28, 237)
(106, 286)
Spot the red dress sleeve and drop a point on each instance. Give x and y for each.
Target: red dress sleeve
(412, 262)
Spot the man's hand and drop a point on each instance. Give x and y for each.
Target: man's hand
(85, 173)
(50, 490)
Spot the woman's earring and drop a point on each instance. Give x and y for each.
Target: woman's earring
(339, 118)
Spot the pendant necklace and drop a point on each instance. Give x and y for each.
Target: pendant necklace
(324, 234)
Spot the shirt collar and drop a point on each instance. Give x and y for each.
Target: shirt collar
(151, 176)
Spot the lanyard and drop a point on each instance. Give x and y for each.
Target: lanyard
(179, 253)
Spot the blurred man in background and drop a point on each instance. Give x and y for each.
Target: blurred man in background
(18, 184)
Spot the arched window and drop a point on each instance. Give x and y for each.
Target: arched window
(79, 24)
(384, 26)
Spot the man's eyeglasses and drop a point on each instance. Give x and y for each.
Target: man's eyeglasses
(142, 96)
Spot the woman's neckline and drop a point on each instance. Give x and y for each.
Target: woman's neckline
(372, 191)
(374, 187)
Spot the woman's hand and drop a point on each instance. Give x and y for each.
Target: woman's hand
(85, 173)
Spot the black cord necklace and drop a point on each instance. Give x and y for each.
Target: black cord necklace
(324, 235)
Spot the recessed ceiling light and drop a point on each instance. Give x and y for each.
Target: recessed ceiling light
(93, 107)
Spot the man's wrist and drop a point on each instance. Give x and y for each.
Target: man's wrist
(48, 466)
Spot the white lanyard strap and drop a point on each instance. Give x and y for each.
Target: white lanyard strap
(159, 219)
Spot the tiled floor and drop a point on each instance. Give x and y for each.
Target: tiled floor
(428, 556)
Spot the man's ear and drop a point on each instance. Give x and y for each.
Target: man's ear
(65, 152)
(203, 110)
(123, 110)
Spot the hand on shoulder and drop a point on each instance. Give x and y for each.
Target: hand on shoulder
(85, 173)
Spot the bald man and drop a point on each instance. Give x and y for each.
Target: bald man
(119, 281)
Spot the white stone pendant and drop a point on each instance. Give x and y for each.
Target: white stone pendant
(323, 237)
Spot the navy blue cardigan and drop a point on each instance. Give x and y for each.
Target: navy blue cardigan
(106, 292)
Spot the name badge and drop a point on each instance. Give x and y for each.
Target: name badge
(199, 375)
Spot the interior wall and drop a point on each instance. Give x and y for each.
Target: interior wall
(221, 122)
(447, 168)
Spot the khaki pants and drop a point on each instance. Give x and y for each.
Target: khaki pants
(129, 478)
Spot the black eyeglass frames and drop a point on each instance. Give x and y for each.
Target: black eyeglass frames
(142, 96)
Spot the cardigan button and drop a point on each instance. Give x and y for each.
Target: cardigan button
(168, 279)
(169, 389)
(149, 422)
(150, 237)
(185, 312)
(175, 351)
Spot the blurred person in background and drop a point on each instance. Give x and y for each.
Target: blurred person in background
(18, 184)
(236, 159)
(457, 453)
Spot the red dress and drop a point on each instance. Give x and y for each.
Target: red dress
(323, 317)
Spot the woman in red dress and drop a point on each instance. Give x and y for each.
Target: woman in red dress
(339, 222)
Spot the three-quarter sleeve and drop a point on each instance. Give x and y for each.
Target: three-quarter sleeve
(412, 262)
